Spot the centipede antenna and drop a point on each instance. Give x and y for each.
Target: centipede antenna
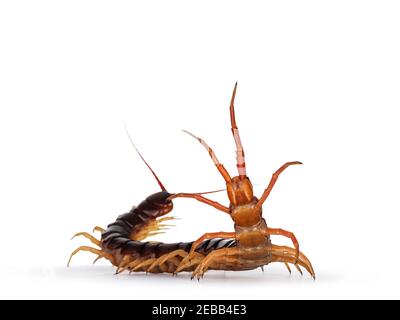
(214, 158)
(240, 162)
(148, 166)
(214, 191)
(208, 192)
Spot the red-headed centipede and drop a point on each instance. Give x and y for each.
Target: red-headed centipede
(247, 248)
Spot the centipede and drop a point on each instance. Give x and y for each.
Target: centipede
(124, 243)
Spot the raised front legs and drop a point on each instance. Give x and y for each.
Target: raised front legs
(273, 181)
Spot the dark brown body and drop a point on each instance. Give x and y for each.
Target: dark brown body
(117, 238)
(119, 246)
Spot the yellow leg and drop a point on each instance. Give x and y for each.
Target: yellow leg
(164, 258)
(192, 253)
(92, 250)
(144, 264)
(191, 261)
(133, 264)
(123, 264)
(88, 236)
(213, 257)
(99, 229)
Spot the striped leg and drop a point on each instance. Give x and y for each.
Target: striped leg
(214, 158)
(240, 162)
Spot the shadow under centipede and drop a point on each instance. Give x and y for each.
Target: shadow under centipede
(256, 277)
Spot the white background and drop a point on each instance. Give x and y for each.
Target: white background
(318, 82)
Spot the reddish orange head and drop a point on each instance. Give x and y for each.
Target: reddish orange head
(240, 190)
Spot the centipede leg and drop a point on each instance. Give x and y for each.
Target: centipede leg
(92, 250)
(288, 268)
(298, 268)
(152, 228)
(164, 268)
(288, 255)
(88, 236)
(164, 258)
(129, 265)
(97, 259)
(287, 234)
(99, 229)
(186, 261)
(272, 182)
(122, 265)
(167, 266)
(144, 264)
(213, 257)
(132, 265)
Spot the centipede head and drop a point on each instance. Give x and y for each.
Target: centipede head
(240, 190)
(161, 202)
